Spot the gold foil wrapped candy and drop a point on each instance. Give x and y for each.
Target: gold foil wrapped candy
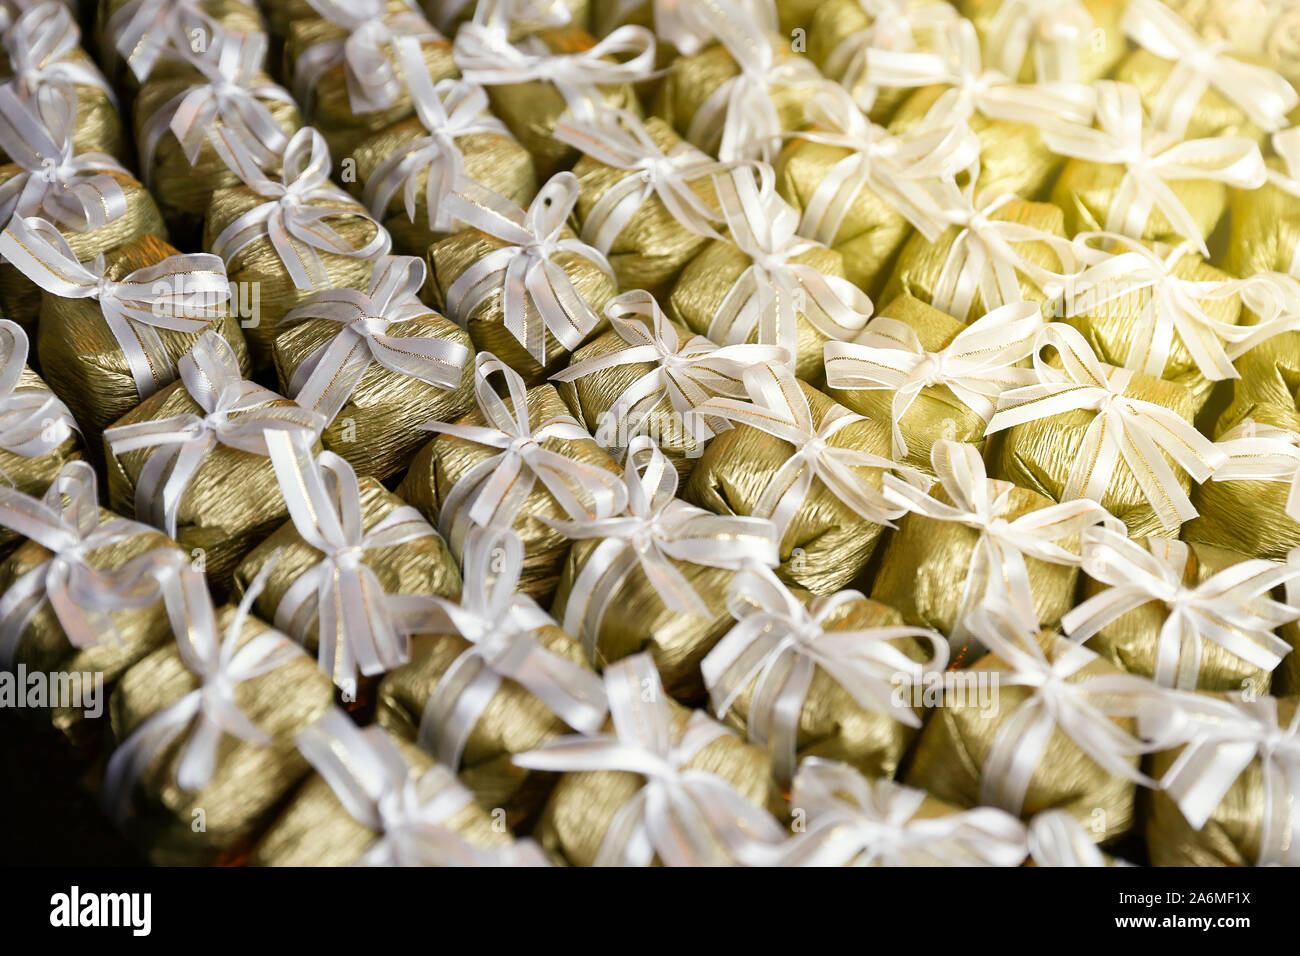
(1264, 223)
(1074, 42)
(376, 366)
(706, 806)
(808, 464)
(1264, 391)
(138, 41)
(514, 461)
(205, 731)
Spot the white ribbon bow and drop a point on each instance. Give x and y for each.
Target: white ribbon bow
(1049, 31)
(689, 26)
(180, 294)
(537, 295)
(211, 710)
(1056, 839)
(1141, 433)
(1230, 609)
(33, 421)
(235, 413)
(853, 821)
(1152, 159)
(142, 32)
(327, 377)
(501, 626)
(895, 25)
(976, 366)
(777, 645)
(1198, 66)
(656, 530)
(681, 815)
(1258, 452)
(40, 45)
(294, 216)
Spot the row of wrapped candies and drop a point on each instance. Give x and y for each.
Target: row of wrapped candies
(789, 502)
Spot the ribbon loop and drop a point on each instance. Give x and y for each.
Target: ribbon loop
(33, 422)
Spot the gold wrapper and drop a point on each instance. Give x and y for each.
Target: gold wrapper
(920, 264)
(81, 358)
(446, 459)
(832, 725)
(581, 15)
(1269, 387)
(43, 645)
(531, 110)
(449, 257)
(1264, 228)
(378, 430)
(1286, 679)
(490, 159)
(706, 280)
(258, 266)
(957, 739)
(513, 722)
(1232, 835)
(936, 413)
(1099, 49)
(281, 16)
(98, 126)
(1039, 455)
(232, 502)
(315, 829)
(827, 544)
(32, 476)
(793, 14)
(20, 298)
(1245, 516)
(249, 780)
(233, 16)
(924, 569)
(584, 804)
(1130, 641)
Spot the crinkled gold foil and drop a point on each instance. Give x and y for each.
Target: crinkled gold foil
(315, 829)
(1098, 51)
(958, 737)
(249, 780)
(513, 722)
(233, 16)
(1264, 228)
(793, 14)
(1269, 387)
(1213, 115)
(98, 126)
(827, 544)
(1245, 516)
(378, 430)
(490, 159)
(81, 358)
(446, 459)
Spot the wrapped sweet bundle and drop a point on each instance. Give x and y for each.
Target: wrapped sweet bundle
(1265, 223)
(765, 283)
(515, 461)
(81, 596)
(175, 459)
(491, 676)
(520, 282)
(709, 802)
(1074, 41)
(655, 578)
(1270, 34)
(376, 366)
(139, 39)
(289, 235)
(1191, 616)
(204, 730)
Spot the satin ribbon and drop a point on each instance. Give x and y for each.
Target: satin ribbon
(294, 216)
(33, 421)
(687, 373)
(179, 294)
(448, 110)
(895, 25)
(327, 377)
(209, 712)
(997, 570)
(1220, 739)
(372, 30)
(228, 101)
(779, 407)
(1259, 452)
(1056, 839)
(853, 821)
(40, 44)
(1152, 159)
(235, 413)
(1275, 298)
(66, 521)
(656, 530)
(359, 626)
(773, 292)
(501, 627)
(1080, 709)
(690, 25)
(1286, 143)
(142, 32)
(72, 190)
(681, 815)
(1050, 32)
(976, 366)
(409, 815)
(491, 492)
(898, 169)
(1199, 66)
(619, 139)
(777, 646)
(537, 295)
(1139, 432)
(1230, 609)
